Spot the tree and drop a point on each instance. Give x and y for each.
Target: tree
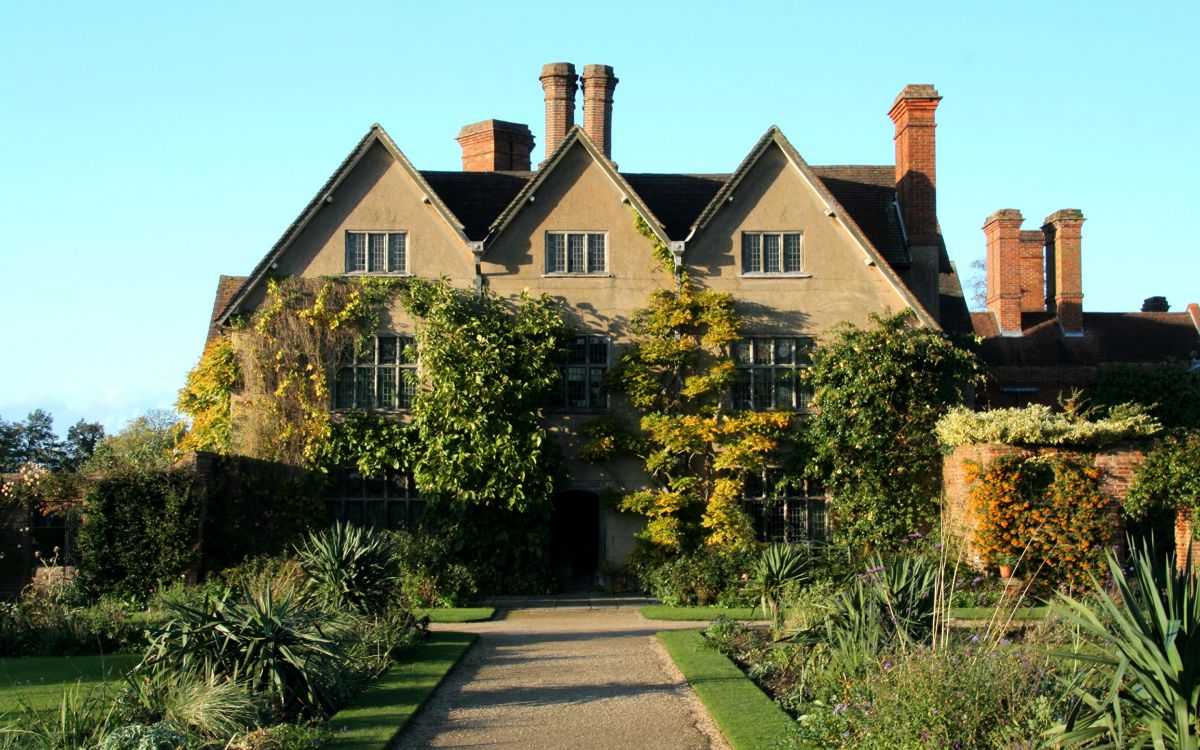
(696, 449)
(145, 443)
(82, 438)
(39, 443)
(879, 392)
(11, 451)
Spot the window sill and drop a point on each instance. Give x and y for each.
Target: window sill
(764, 275)
(579, 410)
(388, 274)
(566, 275)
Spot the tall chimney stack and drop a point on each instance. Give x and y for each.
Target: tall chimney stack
(598, 86)
(1004, 245)
(916, 165)
(559, 83)
(1064, 287)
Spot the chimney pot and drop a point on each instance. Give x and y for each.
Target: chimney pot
(559, 83)
(598, 86)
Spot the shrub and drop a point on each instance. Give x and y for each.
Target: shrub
(139, 528)
(1168, 479)
(81, 720)
(350, 566)
(1145, 674)
(781, 565)
(159, 736)
(1036, 424)
(281, 737)
(47, 622)
(429, 574)
(206, 706)
(281, 646)
(702, 578)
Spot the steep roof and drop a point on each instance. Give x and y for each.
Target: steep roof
(477, 198)
(1132, 337)
(227, 286)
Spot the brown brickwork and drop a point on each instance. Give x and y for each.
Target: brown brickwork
(916, 162)
(1064, 287)
(1033, 271)
(598, 86)
(1185, 540)
(559, 83)
(495, 145)
(1004, 269)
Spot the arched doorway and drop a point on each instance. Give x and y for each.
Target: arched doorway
(575, 539)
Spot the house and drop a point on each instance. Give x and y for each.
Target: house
(1038, 341)
(801, 248)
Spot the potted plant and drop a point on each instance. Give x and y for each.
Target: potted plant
(1005, 564)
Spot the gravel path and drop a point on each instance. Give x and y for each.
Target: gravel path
(580, 677)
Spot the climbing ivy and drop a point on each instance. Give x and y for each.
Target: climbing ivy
(879, 392)
(1169, 478)
(1171, 392)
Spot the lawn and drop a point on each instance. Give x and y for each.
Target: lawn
(378, 714)
(39, 680)
(457, 614)
(687, 614)
(746, 716)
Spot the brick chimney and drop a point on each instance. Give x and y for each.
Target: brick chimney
(495, 145)
(598, 86)
(1004, 272)
(1064, 277)
(916, 165)
(558, 81)
(1033, 271)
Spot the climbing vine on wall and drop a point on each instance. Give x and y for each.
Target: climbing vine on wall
(206, 398)
(1169, 479)
(1044, 514)
(678, 373)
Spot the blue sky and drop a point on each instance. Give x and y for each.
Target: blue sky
(150, 147)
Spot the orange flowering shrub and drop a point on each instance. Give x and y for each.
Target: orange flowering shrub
(1044, 514)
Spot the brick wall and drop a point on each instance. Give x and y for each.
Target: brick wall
(1185, 540)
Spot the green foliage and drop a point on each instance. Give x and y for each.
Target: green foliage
(371, 443)
(659, 250)
(158, 736)
(350, 567)
(83, 717)
(489, 366)
(879, 393)
(277, 643)
(206, 398)
(677, 373)
(205, 706)
(1037, 424)
(1169, 478)
(46, 621)
(704, 577)
(1170, 391)
(1144, 686)
(146, 443)
(140, 528)
(430, 575)
(781, 566)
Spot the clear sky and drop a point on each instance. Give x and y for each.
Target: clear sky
(146, 148)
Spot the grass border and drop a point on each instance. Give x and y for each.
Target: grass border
(667, 613)
(374, 718)
(456, 615)
(747, 717)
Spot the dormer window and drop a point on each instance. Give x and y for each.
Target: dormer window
(773, 253)
(576, 253)
(377, 252)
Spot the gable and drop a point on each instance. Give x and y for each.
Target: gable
(841, 277)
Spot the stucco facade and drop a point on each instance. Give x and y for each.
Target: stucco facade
(490, 229)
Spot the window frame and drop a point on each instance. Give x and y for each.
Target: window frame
(785, 270)
(350, 265)
(351, 494)
(756, 373)
(809, 504)
(593, 375)
(403, 363)
(587, 261)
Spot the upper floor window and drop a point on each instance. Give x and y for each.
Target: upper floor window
(383, 376)
(580, 388)
(376, 252)
(575, 252)
(785, 510)
(768, 373)
(772, 252)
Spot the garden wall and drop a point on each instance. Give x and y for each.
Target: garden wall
(16, 549)
(1116, 463)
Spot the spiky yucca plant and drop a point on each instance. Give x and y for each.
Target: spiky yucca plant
(349, 566)
(1143, 688)
(780, 565)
